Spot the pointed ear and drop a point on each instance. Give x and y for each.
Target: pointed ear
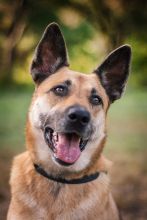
(50, 54)
(113, 72)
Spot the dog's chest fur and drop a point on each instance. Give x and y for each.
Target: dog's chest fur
(48, 200)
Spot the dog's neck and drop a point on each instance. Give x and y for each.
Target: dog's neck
(84, 179)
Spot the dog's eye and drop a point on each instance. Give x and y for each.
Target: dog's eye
(95, 100)
(60, 90)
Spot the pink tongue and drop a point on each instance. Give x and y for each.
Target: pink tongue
(67, 149)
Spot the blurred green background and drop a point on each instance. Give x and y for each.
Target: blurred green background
(92, 28)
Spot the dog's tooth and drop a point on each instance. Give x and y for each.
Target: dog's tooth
(47, 136)
(55, 136)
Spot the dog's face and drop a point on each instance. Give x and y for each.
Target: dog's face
(66, 127)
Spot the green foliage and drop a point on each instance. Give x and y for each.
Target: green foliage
(139, 64)
(82, 52)
(115, 22)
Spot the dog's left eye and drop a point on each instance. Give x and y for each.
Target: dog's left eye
(95, 100)
(60, 90)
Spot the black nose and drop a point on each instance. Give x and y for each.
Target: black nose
(78, 114)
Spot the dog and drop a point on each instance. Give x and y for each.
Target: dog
(63, 175)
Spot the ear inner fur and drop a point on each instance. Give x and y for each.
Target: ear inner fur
(114, 71)
(50, 54)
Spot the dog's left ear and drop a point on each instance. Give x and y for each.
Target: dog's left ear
(114, 71)
(50, 54)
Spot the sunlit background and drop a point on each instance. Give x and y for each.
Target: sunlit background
(92, 28)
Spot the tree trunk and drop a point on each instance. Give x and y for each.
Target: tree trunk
(11, 40)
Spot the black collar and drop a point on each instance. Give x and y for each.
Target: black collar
(84, 179)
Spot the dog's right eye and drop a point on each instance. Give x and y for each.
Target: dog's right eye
(95, 100)
(60, 90)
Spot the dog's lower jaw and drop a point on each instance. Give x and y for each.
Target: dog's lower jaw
(43, 156)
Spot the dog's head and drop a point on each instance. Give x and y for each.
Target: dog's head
(66, 126)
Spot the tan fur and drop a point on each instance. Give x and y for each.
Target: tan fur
(35, 197)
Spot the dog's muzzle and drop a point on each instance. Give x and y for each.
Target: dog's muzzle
(68, 143)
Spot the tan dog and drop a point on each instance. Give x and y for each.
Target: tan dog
(63, 175)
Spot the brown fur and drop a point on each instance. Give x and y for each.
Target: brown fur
(35, 197)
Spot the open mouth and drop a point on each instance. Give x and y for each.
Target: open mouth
(66, 147)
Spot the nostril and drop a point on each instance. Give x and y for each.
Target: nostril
(85, 120)
(72, 116)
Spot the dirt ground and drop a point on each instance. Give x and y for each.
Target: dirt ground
(129, 182)
(128, 177)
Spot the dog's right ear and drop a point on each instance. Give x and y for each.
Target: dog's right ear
(50, 54)
(113, 72)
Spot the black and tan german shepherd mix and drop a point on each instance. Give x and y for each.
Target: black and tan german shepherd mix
(63, 174)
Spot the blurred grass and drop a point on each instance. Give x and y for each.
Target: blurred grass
(127, 120)
(13, 112)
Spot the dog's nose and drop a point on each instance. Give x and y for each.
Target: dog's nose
(78, 114)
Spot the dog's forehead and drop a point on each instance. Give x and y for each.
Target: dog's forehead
(79, 80)
(82, 84)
